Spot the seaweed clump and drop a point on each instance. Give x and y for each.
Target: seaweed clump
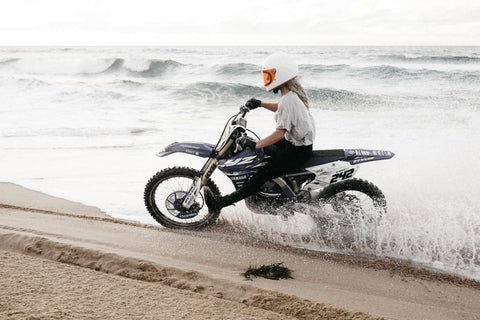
(273, 271)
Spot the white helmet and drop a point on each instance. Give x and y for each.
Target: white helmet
(277, 69)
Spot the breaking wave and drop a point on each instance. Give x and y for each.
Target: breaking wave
(430, 59)
(316, 68)
(392, 72)
(158, 68)
(155, 68)
(218, 92)
(385, 71)
(8, 61)
(116, 65)
(320, 97)
(237, 68)
(340, 97)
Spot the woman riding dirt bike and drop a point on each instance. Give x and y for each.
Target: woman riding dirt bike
(270, 174)
(290, 145)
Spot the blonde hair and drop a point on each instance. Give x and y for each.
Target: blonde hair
(295, 86)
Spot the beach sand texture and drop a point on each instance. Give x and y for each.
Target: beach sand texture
(64, 260)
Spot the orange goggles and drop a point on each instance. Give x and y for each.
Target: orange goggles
(268, 76)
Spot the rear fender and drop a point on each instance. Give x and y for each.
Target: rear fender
(356, 156)
(199, 149)
(332, 172)
(353, 156)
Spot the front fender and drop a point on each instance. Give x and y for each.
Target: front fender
(199, 149)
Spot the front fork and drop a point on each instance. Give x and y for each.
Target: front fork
(199, 182)
(206, 172)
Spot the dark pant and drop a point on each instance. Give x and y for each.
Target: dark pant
(284, 158)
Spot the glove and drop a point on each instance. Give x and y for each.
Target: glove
(249, 143)
(253, 104)
(252, 145)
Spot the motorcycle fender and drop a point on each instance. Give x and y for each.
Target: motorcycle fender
(333, 172)
(198, 149)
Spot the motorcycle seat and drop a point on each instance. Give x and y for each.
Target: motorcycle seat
(325, 156)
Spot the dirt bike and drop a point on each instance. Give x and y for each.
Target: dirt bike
(174, 196)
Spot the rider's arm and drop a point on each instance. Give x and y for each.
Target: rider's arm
(276, 136)
(270, 106)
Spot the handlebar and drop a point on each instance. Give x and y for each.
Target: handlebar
(244, 110)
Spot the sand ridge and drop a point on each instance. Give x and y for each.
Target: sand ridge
(285, 305)
(44, 289)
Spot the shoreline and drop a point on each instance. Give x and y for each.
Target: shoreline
(15, 195)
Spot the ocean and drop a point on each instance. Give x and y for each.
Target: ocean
(84, 123)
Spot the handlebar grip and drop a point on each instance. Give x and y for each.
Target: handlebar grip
(244, 110)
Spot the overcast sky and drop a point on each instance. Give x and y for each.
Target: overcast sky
(243, 22)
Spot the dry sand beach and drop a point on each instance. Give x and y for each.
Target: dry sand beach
(64, 260)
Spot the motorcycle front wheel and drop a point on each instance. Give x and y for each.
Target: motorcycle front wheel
(164, 195)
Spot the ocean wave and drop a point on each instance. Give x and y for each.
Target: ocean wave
(216, 91)
(8, 61)
(451, 59)
(318, 68)
(387, 71)
(91, 67)
(116, 65)
(339, 97)
(392, 72)
(158, 68)
(237, 68)
(319, 97)
(155, 68)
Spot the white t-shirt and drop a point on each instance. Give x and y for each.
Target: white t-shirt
(294, 117)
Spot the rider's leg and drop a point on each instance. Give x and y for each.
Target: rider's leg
(283, 161)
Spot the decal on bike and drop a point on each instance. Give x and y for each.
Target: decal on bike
(194, 152)
(366, 159)
(362, 152)
(342, 175)
(356, 156)
(240, 161)
(237, 178)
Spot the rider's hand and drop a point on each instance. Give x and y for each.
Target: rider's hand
(249, 143)
(253, 104)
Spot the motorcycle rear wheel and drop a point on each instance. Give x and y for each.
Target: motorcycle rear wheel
(334, 192)
(351, 211)
(164, 195)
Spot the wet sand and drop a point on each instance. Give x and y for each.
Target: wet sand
(64, 260)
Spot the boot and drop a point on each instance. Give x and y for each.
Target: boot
(215, 202)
